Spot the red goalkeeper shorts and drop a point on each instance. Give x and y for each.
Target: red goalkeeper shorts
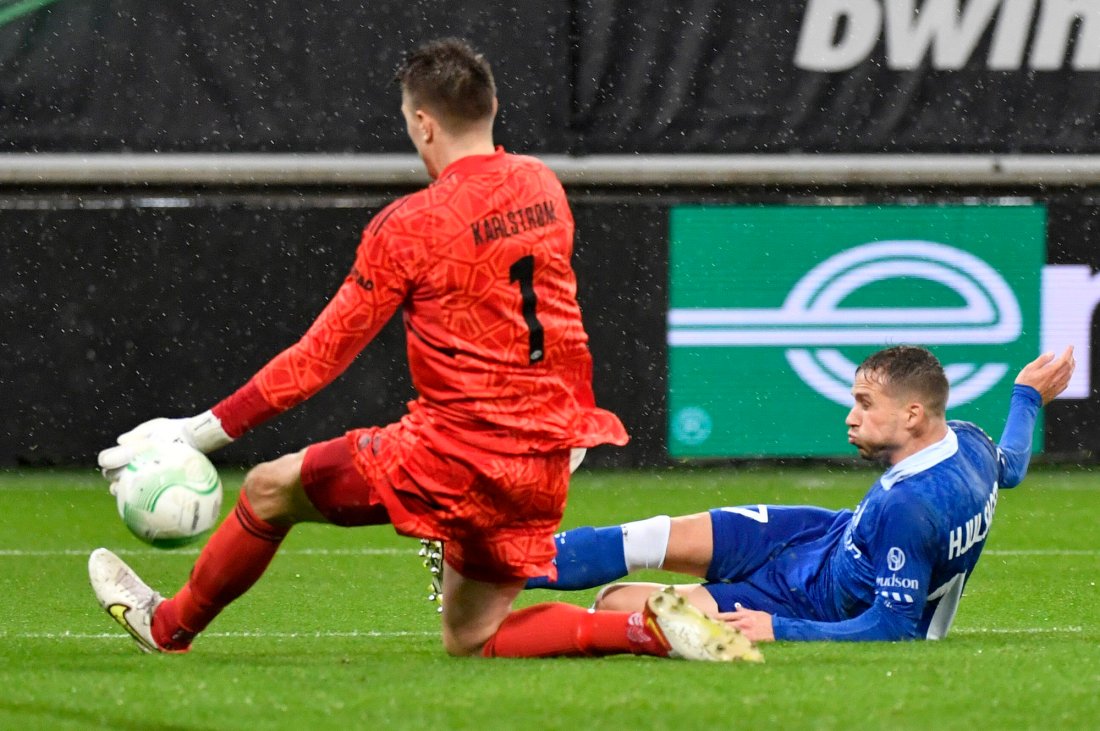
(496, 513)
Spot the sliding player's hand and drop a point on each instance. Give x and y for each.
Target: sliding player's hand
(1049, 375)
(757, 626)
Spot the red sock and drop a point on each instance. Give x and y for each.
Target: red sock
(230, 563)
(556, 629)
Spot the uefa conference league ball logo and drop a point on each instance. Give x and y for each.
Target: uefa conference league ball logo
(811, 324)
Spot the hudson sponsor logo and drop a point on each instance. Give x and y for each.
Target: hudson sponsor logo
(1043, 35)
(895, 559)
(895, 582)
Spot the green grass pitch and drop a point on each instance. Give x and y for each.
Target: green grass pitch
(338, 633)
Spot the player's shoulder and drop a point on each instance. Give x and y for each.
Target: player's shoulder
(911, 490)
(391, 211)
(972, 437)
(517, 166)
(540, 168)
(525, 161)
(912, 502)
(967, 428)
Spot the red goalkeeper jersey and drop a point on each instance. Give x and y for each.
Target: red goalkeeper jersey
(479, 262)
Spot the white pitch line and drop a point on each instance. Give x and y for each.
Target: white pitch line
(54, 552)
(17, 482)
(1043, 552)
(367, 634)
(375, 634)
(24, 552)
(1018, 631)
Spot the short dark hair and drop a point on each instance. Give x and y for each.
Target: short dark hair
(909, 369)
(451, 80)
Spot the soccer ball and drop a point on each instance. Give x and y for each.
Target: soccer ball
(169, 495)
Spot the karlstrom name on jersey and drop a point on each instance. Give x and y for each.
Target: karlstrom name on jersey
(499, 225)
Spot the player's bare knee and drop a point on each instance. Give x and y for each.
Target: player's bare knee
(458, 646)
(467, 639)
(263, 492)
(269, 488)
(459, 649)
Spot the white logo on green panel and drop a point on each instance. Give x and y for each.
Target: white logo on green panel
(811, 324)
(692, 425)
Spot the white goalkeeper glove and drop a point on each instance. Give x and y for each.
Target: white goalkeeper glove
(203, 432)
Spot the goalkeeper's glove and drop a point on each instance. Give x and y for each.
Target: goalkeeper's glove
(203, 432)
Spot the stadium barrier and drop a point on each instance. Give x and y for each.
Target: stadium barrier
(179, 169)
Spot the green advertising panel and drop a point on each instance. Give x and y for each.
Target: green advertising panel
(773, 307)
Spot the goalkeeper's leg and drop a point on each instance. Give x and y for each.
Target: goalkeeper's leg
(237, 554)
(478, 619)
(477, 616)
(233, 559)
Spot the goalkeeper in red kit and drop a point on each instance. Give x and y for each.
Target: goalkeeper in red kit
(479, 265)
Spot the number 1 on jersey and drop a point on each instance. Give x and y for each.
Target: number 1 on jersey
(523, 271)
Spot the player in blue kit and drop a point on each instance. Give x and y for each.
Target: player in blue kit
(892, 569)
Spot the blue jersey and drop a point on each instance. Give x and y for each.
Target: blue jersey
(892, 569)
(895, 568)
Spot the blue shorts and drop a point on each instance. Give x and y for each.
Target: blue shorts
(764, 556)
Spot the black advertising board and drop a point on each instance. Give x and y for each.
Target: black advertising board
(121, 307)
(575, 76)
(206, 76)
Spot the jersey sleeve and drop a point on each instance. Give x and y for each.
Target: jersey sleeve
(372, 291)
(903, 549)
(1014, 449)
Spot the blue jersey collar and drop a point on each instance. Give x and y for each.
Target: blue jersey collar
(925, 459)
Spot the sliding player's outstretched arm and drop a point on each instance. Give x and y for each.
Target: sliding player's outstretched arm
(879, 623)
(1037, 384)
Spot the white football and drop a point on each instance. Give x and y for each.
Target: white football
(169, 495)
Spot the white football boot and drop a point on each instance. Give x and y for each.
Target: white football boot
(125, 597)
(691, 635)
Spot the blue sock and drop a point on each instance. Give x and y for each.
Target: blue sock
(587, 557)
